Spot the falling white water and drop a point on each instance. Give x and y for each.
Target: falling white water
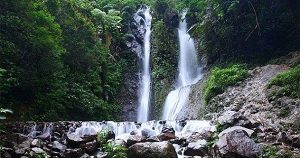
(123, 129)
(189, 73)
(144, 91)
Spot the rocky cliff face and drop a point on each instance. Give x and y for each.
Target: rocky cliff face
(250, 104)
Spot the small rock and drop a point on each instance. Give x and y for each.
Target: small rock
(36, 143)
(37, 150)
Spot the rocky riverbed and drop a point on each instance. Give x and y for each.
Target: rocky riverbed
(154, 139)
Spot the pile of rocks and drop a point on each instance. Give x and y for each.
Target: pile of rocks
(62, 142)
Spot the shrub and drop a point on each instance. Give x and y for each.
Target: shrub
(289, 81)
(221, 78)
(115, 151)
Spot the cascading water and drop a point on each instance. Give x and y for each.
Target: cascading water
(189, 73)
(144, 18)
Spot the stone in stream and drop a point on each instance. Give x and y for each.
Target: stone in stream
(152, 150)
(37, 150)
(167, 134)
(198, 148)
(237, 144)
(148, 133)
(204, 134)
(90, 147)
(74, 140)
(57, 146)
(71, 153)
(134, 139)
(36, 143)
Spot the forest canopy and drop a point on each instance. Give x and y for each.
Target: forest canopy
(65, 59)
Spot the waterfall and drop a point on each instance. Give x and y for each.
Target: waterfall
(144, 18)
(189, 73)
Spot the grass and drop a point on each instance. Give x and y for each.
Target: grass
(273, 152)
(289, 81)
(221, 78)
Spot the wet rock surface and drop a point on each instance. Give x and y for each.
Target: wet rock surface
(152, 150)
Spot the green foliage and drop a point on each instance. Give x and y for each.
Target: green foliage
(115, 151)
(273, 152)
(101, 137)
(221, 78)
(256, 30)
(41, 155)
(61, 60)
(289, 81)
(164, 61)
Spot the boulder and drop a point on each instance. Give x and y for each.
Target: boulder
(36, 143)
(134, 139)
(167, 134)
(230, 129)
(74, 140)
(57, 146)
(89, 138)
(204, 134)
(198, 148)
(148, 133)
(237, 143)
(85, 155)
(19, 152)
(168, 130)
(70, 153)
(37, 150)
(152, 139)
(120, 142)
(228, 117)
(101, 154)
(152, 150)
(90, 147)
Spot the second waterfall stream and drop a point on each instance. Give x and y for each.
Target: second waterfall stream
(144, 18)
(189, 73)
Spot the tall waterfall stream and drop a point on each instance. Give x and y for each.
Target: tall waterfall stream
(189, 73)
(143, 17)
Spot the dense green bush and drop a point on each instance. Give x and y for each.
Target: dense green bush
(221, 78)
(289, 81)
(113, 150)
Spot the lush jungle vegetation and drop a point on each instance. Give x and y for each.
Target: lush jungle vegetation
(65, 59)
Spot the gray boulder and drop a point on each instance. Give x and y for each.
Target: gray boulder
(152, 150)
(134, 139)
(198, 148)
(57, 146)
(237, 143)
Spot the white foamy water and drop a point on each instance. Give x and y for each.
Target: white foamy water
(144, 18)
(123, 129)
(189, 73)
